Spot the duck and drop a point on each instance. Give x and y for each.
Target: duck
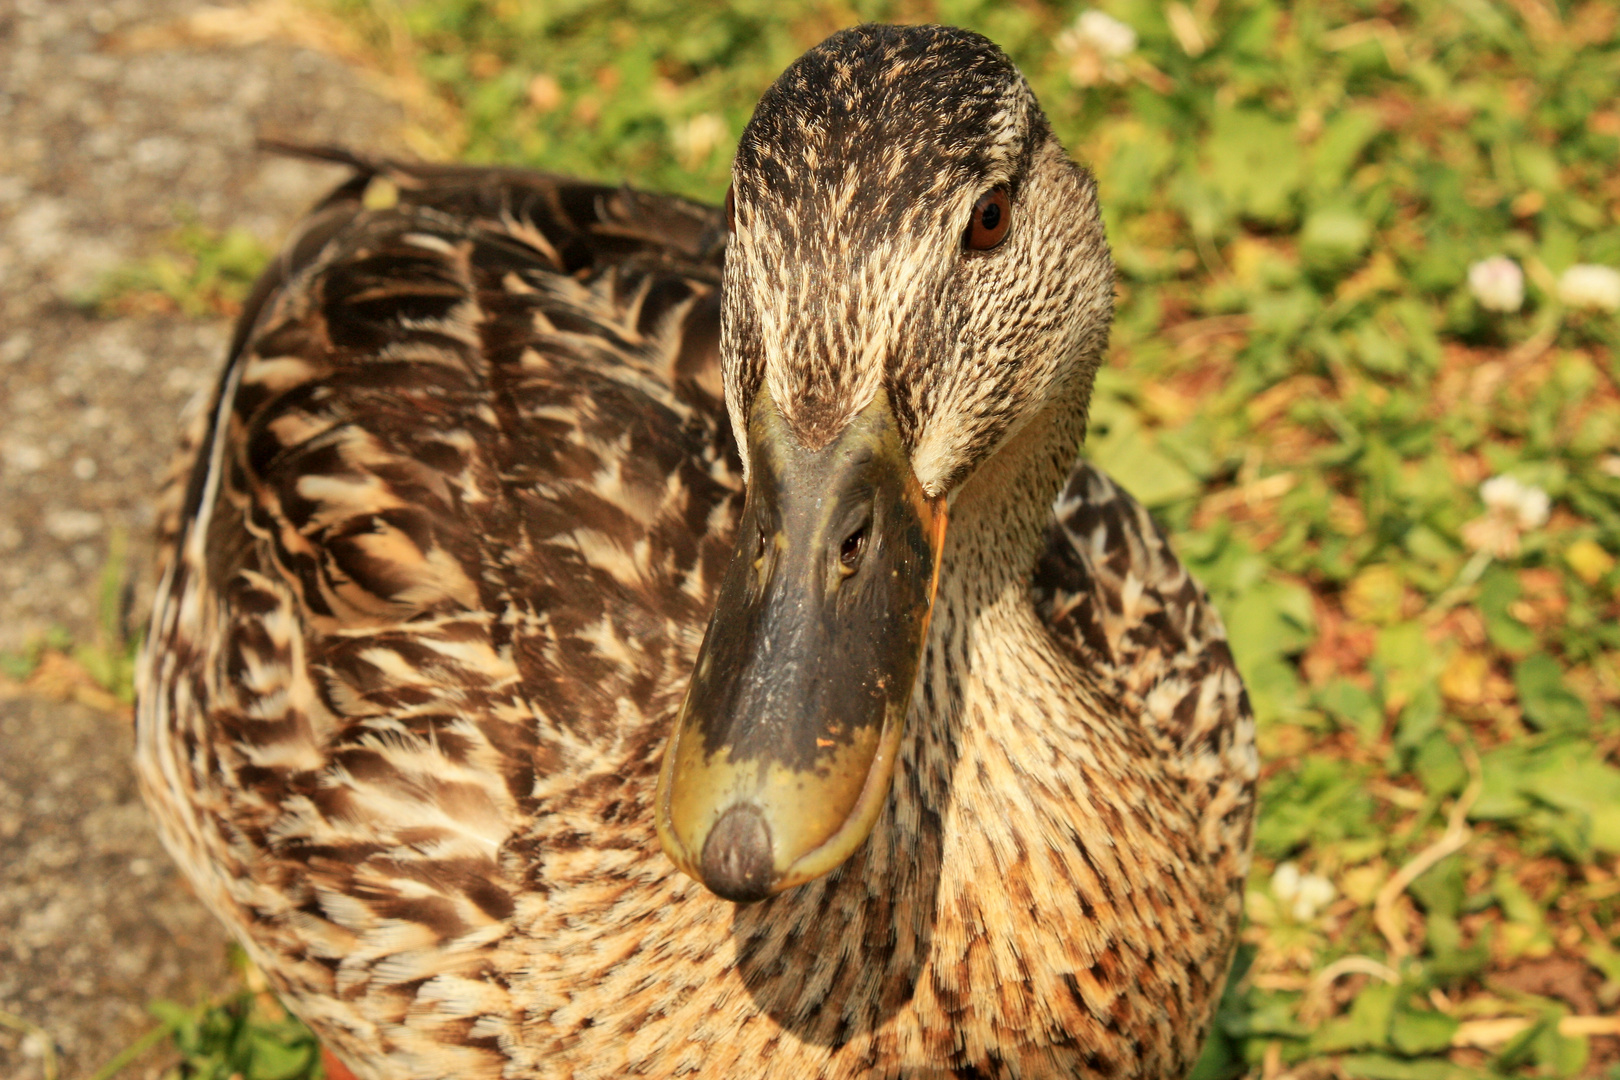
(604, 634)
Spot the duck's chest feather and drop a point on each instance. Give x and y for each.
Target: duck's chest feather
(1033, 901)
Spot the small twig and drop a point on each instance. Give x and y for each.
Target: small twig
(1485, 1034)
(1354, 965)
(1573, 1026)
(47, 1044)
(1380, 30)
(1155, 79)
(1490, 377)
(1472, 571)
(1530, 349)
(1397, 796)
(1589, 924)
(1457, 833)
(1213, 326)
(1315, 1005)
(1249, 495)
(1271, 1067)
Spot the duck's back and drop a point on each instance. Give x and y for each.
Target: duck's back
(443, 556)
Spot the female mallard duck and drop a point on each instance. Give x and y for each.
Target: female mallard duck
(415, 713)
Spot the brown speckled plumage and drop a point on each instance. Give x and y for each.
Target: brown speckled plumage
(454, 526)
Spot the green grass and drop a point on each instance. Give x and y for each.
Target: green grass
(1307, 392)
(245, 1036)
(197, 271)
(100, 671)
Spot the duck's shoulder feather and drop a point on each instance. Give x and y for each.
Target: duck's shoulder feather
(1115, 596)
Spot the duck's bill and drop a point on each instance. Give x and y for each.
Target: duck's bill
(785, 747)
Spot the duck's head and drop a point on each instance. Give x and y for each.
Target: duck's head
(916, 270)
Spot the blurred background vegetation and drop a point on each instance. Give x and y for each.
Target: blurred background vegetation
(1364, 368)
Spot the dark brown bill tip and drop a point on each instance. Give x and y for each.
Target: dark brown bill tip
(737, 861)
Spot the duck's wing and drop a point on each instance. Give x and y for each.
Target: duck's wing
(1119, 601)
(442, 561)
(568, 226)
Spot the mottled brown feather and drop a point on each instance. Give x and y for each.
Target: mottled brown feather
(430, 598)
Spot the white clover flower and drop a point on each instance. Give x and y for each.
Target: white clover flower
(1094, 46)
(1527, 503)
(696, 138)
(1315, 893)
(1285, 880)
(1589, 286)
(1497, 283)
(1106, 34)
(1512, 509)
(1304, 894)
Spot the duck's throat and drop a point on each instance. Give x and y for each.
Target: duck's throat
(988, 650)
(1001, 516)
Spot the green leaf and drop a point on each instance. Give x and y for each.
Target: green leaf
(1448, 960)
(1607, 960)
(1405, 662)
(1517, 904)
(1440, 889)
(1274, 689)
(1537, 167)
(1200, 201)
(1562, 1055)
(1324, 801)
(1574, 781)
(1130, 455)
(1279, 318)
(1141, 154)
(1333, 239)
(275, 1059)
(1340, 145)
(1439, 766)
(1556, 787)
(1498, 589)
(1353, 707)
(1382, 1067)
(1505, 774)
(1255, 163)
(1414, 1031)
(1419, 717)
(1378, 351)
(1442, 266)
(1269, 1015)
(1272, 619)
(1365, 1027)
(1547, 702)
(1542, 1044)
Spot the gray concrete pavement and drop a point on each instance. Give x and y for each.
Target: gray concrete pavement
(110, 134)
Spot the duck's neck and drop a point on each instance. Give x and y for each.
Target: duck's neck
(1001, 514)
(988, 654)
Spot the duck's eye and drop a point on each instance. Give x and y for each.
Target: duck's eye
(731, 210)
(991, 216)
(849, 554)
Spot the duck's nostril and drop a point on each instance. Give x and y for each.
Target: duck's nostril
(737, 861)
